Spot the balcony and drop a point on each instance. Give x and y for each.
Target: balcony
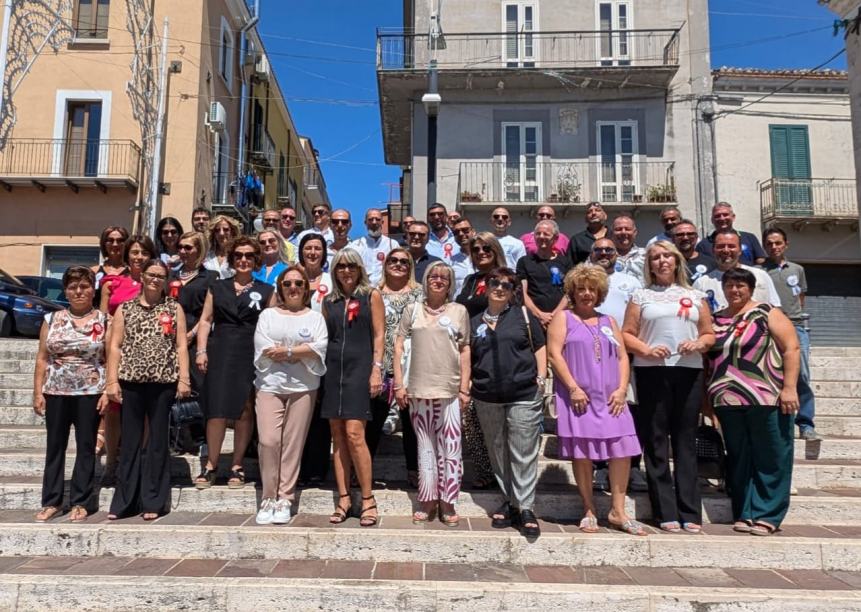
(44, 163)
(315, 186)
(629, 184)
(263, 150)
(808, 201)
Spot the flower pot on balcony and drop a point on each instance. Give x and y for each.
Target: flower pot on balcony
(469, 196)
(553, 198)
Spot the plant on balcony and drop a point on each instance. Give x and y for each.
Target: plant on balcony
(470, 196)
(661, 193)
(568, 191)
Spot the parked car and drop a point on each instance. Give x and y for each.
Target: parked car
(24, 309)
(47, 287)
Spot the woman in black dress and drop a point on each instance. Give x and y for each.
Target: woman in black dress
(355, 317)
(233, 305)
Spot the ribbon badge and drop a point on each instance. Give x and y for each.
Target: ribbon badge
(96, 331)
(619, 267)
(481, 287)
(792, 281)
(446, 323)
(99, 278)
(608, 331)
(448, 248)
(713, 303)
(685, 305)
(699, 271)
(381, 256)
(166, 322)
(352, 310)
(740, 327)
(322, 290)
(174, 287)
(481, 331)
(255, 300)
(555, 276)
(304, 333)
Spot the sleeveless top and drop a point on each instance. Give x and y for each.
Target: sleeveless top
(76, 356)
(745, 362)
(148, 351)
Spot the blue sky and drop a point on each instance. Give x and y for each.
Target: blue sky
(323, 54)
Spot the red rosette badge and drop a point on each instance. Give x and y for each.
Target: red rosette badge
(322, 290)
(174, 287)
(685, 305)
(166, 322)
(740, 327)
(481, 287)
(352, 310)
(96, 331)
(448, 248)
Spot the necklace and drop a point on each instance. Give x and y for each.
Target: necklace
(434, 311)
(184, 275)
(596, 340)
(239, 289)
(492, 319)
(83, 316)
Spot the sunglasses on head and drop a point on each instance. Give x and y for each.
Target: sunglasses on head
(299, 284)
(498, 283)
(482, 248)
(399, 261)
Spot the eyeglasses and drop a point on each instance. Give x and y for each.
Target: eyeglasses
(608, 250)
(270, 241)
(340, 221)
(299, 284)
(399, 261)
(291, 217)
(319, 212)
(186, 247)
(237, 255)
(421, 235)
(482, 248)
(439, 278)
(270, 221)
(498, 283)
(684, 234)
(341, 267)
(502, 217)
(545, 215)
(169, 232)
(155, 277)
(374, 220)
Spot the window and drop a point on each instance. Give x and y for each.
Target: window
(519, 26)
(521, 152)
(82, 144)
(282, 177)
(55, 259)
(221, 169)
(617, 152)
(225, 54)
(614, 21)
(91, 19)
(790, 167)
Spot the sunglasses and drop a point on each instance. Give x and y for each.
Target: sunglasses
(186, 247)
(439, 279)
(270, 241)
(320, 212)
(346, 266)
(288, 216)
(169, 232)
(299, 284)
(399, 261)
(545, 215)
(502, 217)
(484, 248)
(608, 250)
(496, 283)
(237, 255)
(684, 234)
(421, 235)
(340, 221)
(270, 221)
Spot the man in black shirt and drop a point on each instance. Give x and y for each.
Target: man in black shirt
(723, 217)
(580, 247)
(685, 238)
(542, 273)
(417, 241)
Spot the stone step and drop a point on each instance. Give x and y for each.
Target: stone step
(253, 586)
(842, 426)
(837, 507)
(850, 370)
(22, 437)
(838, 389)
(310, 538)
(17, 366)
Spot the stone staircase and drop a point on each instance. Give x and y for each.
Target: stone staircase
(208, 554)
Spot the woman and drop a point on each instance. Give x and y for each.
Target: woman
(318, 443)
(436, 386)
(167, 234)
(355, 318)
(289, 354)
(272, 265)
(667, 328)
(398, 288)
(509, 364)
(591, 379)
(68, 389)
(111, 245)
(147, 370)
(485, 254)
(226, 355)
(753, 370)
(222, 231)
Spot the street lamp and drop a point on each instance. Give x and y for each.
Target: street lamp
(431, 101)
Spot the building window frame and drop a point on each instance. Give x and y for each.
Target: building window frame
(522, 179)
(226, 54)
(221, 169)
(525, 43)
(92, 30)
(47, 248)
(61, 109)
(618, 41)
(620, 175)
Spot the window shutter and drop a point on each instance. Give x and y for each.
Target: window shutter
(779, 139)
(799, 152)
(511, 32)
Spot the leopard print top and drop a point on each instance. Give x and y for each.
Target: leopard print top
(149, 342)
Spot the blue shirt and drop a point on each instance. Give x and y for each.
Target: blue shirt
(269, 279)
(437, 247)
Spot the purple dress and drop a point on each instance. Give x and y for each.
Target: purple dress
(595, 434)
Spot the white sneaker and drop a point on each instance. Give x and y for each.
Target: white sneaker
(392, 424)
(281, 515)
(266, 512)
(637, 481)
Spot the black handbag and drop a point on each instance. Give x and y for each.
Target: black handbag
(711, 454)
(187, 424)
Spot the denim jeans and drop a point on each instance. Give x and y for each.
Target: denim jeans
(806, 404)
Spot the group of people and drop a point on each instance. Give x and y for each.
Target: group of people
(317, 342)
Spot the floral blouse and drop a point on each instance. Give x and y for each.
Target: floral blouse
(395, 304)
(76, 356)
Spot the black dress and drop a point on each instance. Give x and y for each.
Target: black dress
(349, 358)
(191, 296)
(473, 294)
(230, 373)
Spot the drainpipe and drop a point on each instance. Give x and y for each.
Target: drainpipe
(155, 174)
(243, 94)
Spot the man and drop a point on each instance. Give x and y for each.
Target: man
(442, 242)
(200, 218)
(271, 220)
(630, 258)
(791, 284)
(723, 218)
(622, 284)
(321, 225)
(545, 213)
(417, 237)
(670, 218)
(685, 238)
(453, 218)
(581, 242)
(287, 226)
(513, 247)
(406, 222)
(727, 248)
(373, 246)
(542, 273)
(341, 223)
(461, 261)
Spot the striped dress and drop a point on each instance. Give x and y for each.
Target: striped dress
(746, 366)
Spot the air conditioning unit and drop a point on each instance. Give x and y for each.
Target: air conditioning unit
(261, 68)
(217, 117)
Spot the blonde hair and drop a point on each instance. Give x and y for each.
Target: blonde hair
(680, 276)
(411, 281)
(363, 285)
(586, 274)
(448, 269)
(490, 240)
(199, 241)
(281, 257)
(233, 224)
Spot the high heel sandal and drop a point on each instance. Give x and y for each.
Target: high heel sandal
(369, 521)
(205, 479)
(340, 514)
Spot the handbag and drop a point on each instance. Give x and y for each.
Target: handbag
(187, 424)
(711, 454)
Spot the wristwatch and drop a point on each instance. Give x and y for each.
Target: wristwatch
(289, 352)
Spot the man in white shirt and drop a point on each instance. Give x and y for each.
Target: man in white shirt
(622, 284)
(460, 261)
(727, 251)
(513, 247)
(321, 225)
(630, 258)
(373, 246)
(442, 242)
(342, 223)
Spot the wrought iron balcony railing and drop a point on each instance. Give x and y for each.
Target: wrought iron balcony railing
(263, 148)
(41, 160)
(811, 199)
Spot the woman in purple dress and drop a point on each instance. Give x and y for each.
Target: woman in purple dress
(591, 376)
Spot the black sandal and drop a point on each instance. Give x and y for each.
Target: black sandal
(205, 479)
(371, 520)
(526, 517)
(237, 479)
(503, 519)
(340, 514)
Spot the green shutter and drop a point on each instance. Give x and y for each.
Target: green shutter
(790, 159)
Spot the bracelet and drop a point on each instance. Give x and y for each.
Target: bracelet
(201, 352)
(379, 364)
(540, 380)
(464, 392)
(113, 382)
(397, 387)
(185, 381)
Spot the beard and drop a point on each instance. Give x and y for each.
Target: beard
(375, 233)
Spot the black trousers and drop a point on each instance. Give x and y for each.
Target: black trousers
(411, 449)
(316, 456)
(374, 427)
(143, 475)
(61, 412)
(670, 401)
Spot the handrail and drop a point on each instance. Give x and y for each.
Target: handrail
(70, 158)
(825, 198)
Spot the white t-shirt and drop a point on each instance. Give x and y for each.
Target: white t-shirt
(710, 284)
(274, 328)
(622, 287)
(328, 235)
(224, 270)
(513, 249)
(461, 263)
(668, 316)
(373, 252)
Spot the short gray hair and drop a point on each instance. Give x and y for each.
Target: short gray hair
(553, 225)
(449, 270)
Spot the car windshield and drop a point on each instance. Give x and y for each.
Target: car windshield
(8, 278)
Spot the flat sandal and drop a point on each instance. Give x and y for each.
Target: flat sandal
(51, 512)
(78, 514)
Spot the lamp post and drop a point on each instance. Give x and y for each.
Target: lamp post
(431, 101)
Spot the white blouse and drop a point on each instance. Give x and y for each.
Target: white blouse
(278, 328)
(324, 288)
(669, 316)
